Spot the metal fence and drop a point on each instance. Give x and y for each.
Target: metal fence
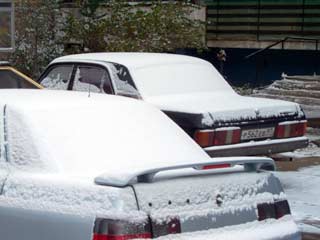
(262, 19)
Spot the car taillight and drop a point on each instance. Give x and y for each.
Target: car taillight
(204, 137)
(273, 210)
(219, 136)
(291, 129)
(216, 166)
(282, 208)
(225, 136)
(266, 210)
(110, 229)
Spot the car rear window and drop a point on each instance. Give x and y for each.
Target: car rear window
(157, 80)
(92, 78)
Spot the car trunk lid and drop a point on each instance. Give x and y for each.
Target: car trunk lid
(198, 203)
(226, 107)
(203, 195)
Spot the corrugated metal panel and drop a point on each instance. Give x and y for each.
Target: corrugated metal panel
(262, 19)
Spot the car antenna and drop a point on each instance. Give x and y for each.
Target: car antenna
(89, 91)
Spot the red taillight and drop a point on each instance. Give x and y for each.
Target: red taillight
(291, 129)
(276, 210)
(217, 166)
(226, 136)
(219, 136)
(119, 237)
(204, 137)
(109, 229)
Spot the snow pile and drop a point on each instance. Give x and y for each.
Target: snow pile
(300, 89)
(311, 151)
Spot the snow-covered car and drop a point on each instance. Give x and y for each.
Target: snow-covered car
(193, 94)
(12, 78)
(72, 171)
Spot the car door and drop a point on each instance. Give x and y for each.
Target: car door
(3, 160)
(20, 218)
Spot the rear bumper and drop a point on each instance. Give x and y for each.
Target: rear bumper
(282, 229)
(265, 147)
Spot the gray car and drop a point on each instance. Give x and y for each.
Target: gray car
(71, 171)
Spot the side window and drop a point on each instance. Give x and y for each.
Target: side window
(58, 77)
(124, 84)
(92, 78)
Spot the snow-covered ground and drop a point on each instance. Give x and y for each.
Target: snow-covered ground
(302, 187)
(303, 191)
(311, 151)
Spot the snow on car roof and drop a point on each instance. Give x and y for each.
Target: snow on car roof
(70, 133)
(133, 60)
(29, 99)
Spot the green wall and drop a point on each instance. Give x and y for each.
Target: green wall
(262, 19)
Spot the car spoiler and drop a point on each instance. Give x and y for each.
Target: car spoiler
(146, 175)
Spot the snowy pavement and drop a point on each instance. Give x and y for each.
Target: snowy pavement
(303, 191)
(301, 181)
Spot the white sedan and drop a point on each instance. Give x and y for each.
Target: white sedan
(72, 171)
(193, 94)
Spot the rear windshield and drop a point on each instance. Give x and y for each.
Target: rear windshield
(179, 79)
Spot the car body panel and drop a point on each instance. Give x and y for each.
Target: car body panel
(270, 230)
(194, 200)
(19, 223)
(221, 109)
(259, 147)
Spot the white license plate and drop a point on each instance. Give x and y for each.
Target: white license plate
(257, 133)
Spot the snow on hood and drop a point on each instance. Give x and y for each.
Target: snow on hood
(225, 106)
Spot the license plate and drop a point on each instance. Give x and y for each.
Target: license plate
(257, 133)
